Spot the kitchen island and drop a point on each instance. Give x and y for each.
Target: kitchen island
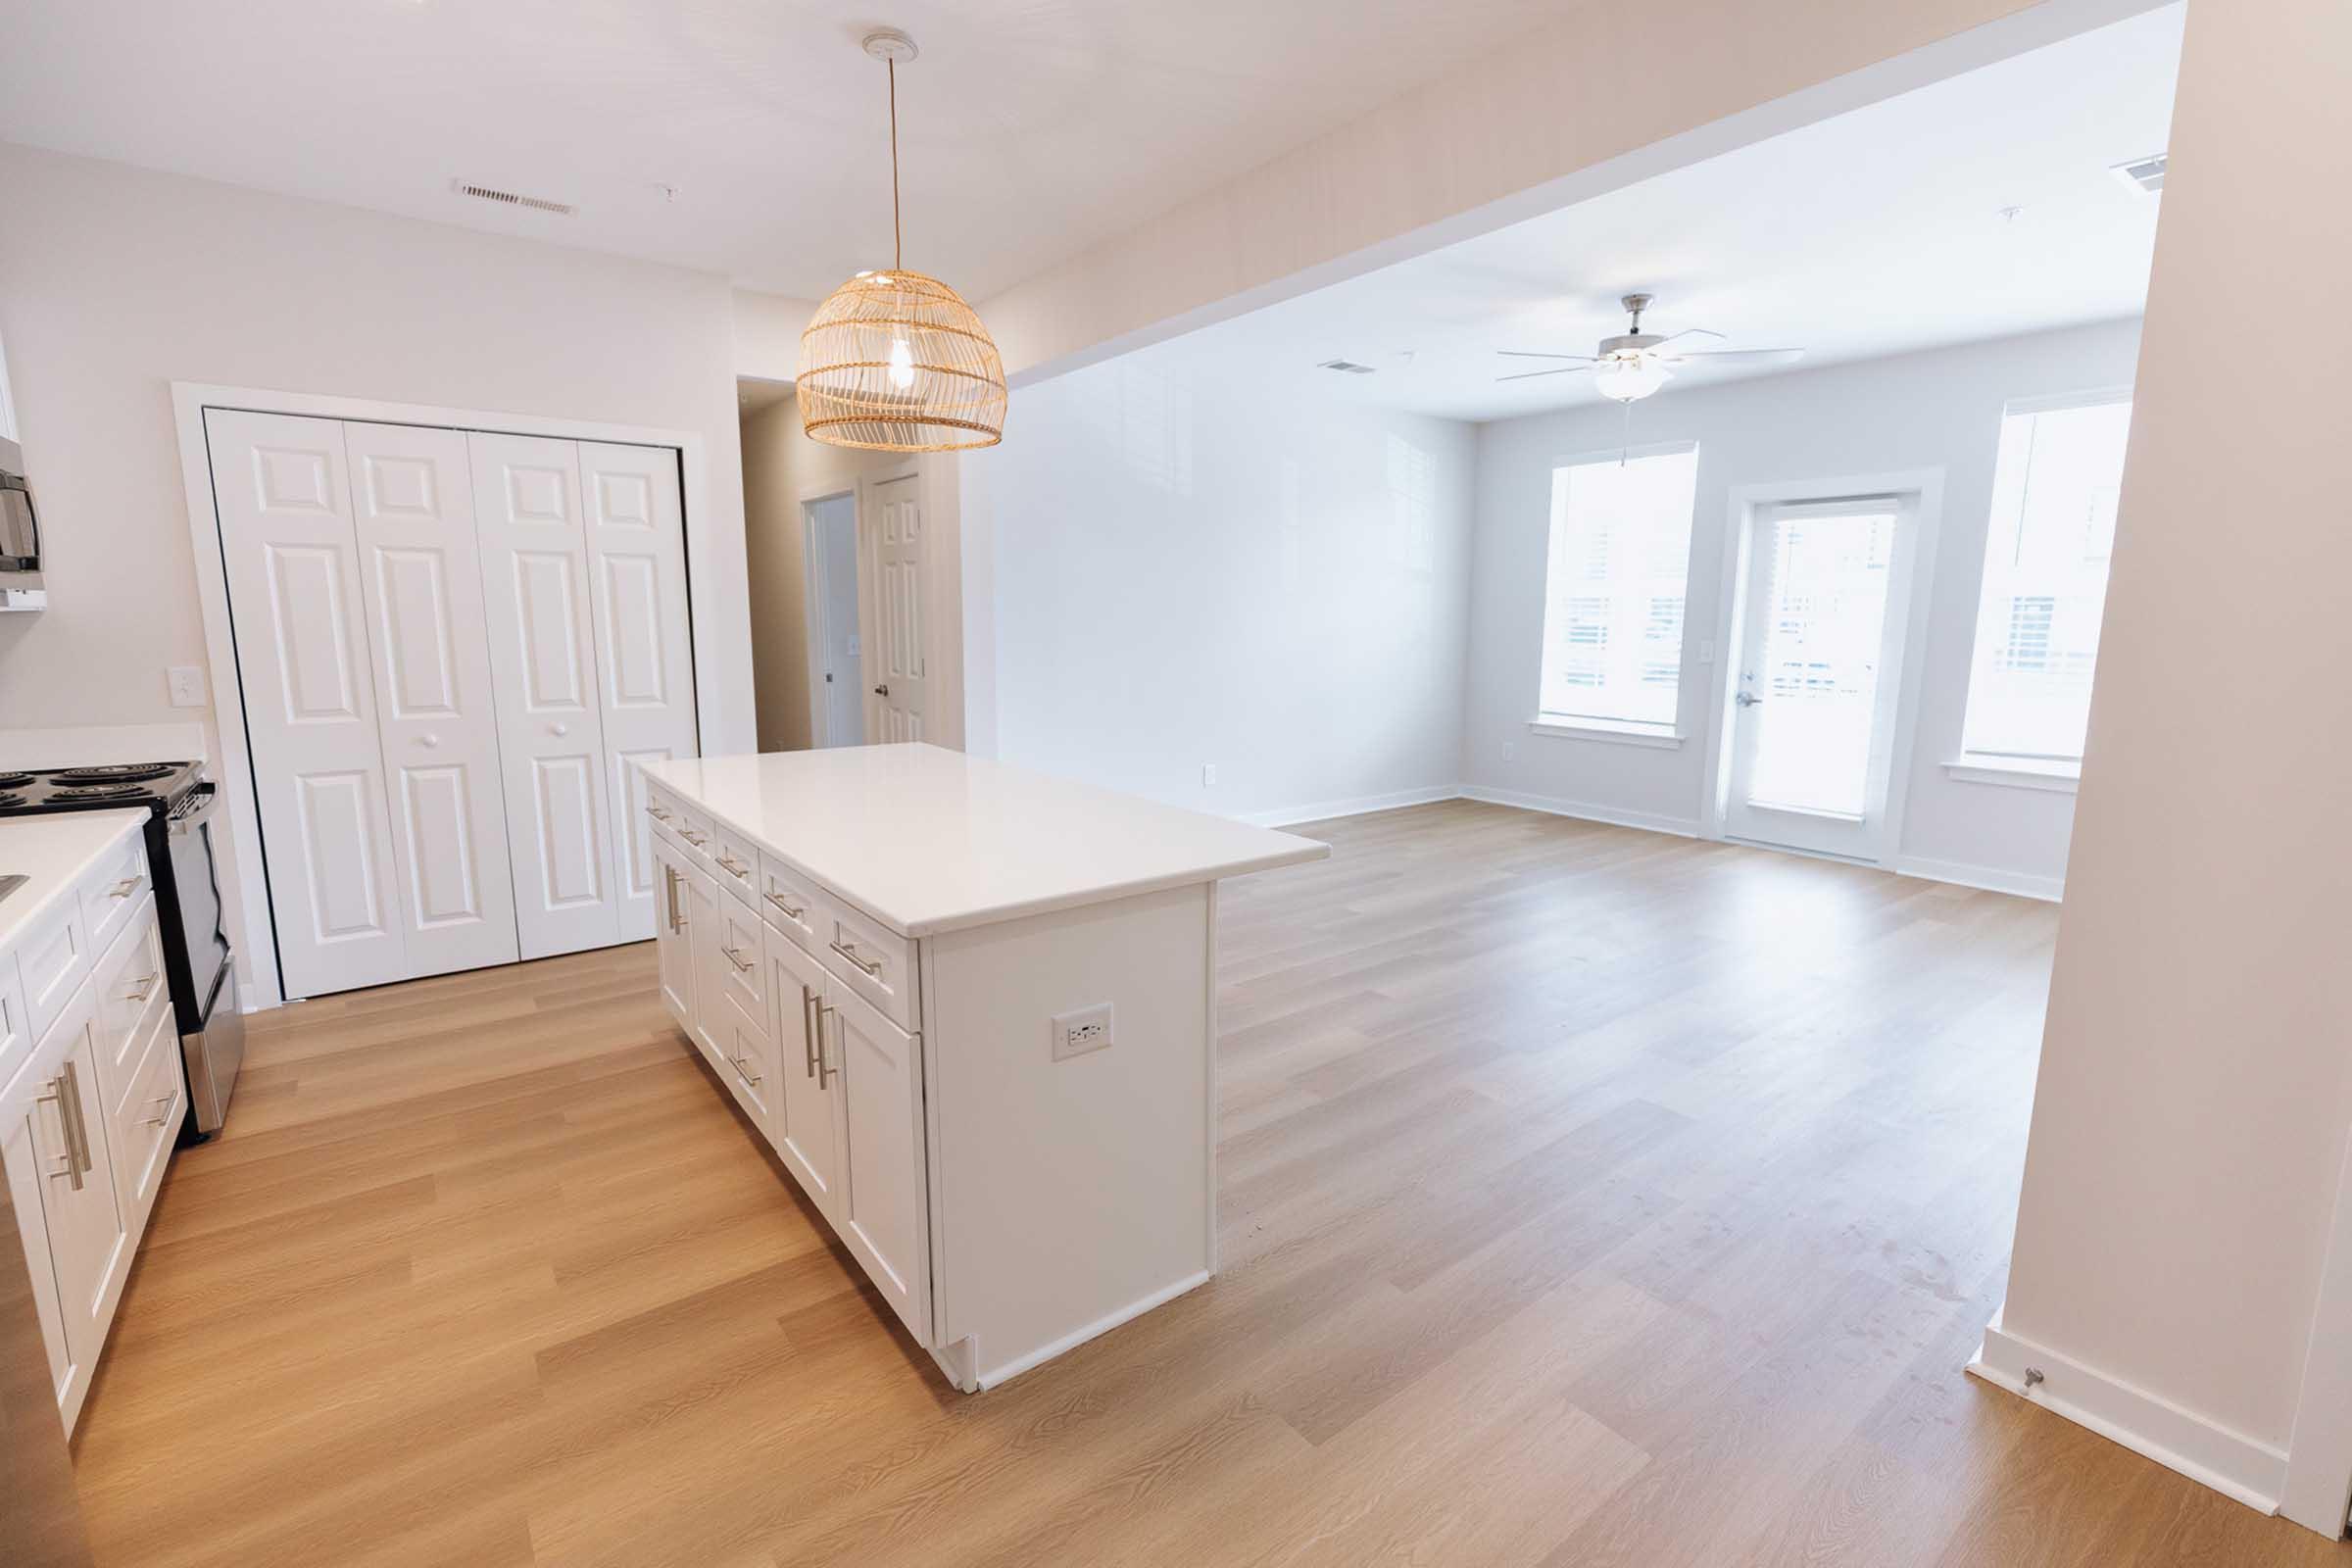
(973, 1010)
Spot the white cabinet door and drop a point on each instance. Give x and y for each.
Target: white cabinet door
(90, 1245)
(671, 946)
(886, 1199)
(534, 552)
(902, 680)
(31, 1146)
(420, 580)
(702, 940)
(644, 672)
(807, 1132)
(290, 553)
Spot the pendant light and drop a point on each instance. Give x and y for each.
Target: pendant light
(896, 362)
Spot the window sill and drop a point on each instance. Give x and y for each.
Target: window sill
(2015, 772)
(1602, 729)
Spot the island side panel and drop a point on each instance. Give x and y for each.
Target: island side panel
(1074, 1193)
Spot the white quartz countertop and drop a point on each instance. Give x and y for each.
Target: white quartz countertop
(927, 840)
(53, 851)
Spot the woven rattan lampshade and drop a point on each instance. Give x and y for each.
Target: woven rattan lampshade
(894, 360)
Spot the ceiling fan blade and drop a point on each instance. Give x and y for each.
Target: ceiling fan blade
(1529, 354)
(1686, 331)
(1528, 375)
(1744, 356)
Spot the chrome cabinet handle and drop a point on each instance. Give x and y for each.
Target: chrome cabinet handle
(749, 1077)
(161, 1103)
(743, 965)
(656, 813)
(669, 880)
(58, 1094)
(824, 1069)
(811, 1027)
(123, 888)
(1747, 700)
(869, 971)
(777, 898)
(731, 865)
(146, 987)
(698, 840)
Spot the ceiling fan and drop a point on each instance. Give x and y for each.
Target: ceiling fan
(1635, 363)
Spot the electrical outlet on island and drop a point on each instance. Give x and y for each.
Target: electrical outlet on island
(1081, 1030)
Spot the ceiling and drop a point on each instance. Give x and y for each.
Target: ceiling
(747, 138)
(1879, 232)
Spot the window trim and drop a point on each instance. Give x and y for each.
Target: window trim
(1593, 726)
(1995, 767)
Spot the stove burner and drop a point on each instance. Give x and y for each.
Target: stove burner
(9, 801)
(15, 782)
(117, 773)
(100, 792)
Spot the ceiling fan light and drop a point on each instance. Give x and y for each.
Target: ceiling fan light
(1628, 378)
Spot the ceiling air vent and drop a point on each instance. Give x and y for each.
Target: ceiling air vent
(537, 204)
(1345, 367)
(2143, 173)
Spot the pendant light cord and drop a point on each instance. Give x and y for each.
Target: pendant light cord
(897, 239)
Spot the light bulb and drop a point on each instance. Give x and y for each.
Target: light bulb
(1630, 378)
(902, 363)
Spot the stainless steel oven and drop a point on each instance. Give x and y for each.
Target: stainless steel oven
(20, 535)
(197, 956)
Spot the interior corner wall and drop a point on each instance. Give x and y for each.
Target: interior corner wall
(1939, 410)
(1192, 570)
(2196, 1091)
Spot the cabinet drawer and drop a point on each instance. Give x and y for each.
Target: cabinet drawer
(873, 960)
(112, 892)
(691, 825)
(788, 902)
(52, 956)
(742, 973)
(749, 1069)
(736, 860)
(16, 1021)
(142, 1125)
(131, 991)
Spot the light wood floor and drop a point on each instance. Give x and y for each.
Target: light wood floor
(1588, 1197)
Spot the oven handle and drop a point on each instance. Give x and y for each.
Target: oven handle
(201, 815)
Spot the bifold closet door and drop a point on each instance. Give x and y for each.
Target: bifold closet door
(281, 491)
(536, 603)
(420, 577)
(637, 566)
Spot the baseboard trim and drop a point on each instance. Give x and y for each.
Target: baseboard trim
(1354, 805)
(1992, 878)
(2230, 1462)
(1585, 810)
(1101, 1325)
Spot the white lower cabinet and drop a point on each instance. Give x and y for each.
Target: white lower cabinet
(807, 1133)
(672, 945)
(884, 1212)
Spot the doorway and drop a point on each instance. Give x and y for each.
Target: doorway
(1818, 714)
(836, 709)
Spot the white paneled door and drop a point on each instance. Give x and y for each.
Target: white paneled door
(637, 578)
(900, 682)
(420, 580)
(281, 490)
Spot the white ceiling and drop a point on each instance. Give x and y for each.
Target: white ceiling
(1877, 233)
(1029, 129)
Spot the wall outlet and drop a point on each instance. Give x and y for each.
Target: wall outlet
(1208, 776)
(1510, 749)
(186, 682)
(1084, 1029)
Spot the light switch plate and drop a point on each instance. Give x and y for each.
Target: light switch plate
(1081, 1030)
(186, 682)
(1208, 776)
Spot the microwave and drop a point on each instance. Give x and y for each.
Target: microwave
(21, 586)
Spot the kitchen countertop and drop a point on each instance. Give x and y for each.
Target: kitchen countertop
(52, 852)
(927, 840)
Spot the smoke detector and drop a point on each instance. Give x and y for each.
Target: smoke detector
(491, 193)
(2143, 173)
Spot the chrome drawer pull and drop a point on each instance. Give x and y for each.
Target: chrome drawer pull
(869, 971)
(824, 1069)
(656, 813)
(669, 880)
(731, 865)
(698, 840)
(123, 888)
(163, 1105)
(749, 1077)
(811, 1028)
(743, 965)
(146, 987)
(56, 1093)
(777, 898)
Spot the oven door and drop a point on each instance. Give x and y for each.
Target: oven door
(19, 532)
(197, 951)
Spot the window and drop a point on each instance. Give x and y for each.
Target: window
(2054, 492)
(1614, 586)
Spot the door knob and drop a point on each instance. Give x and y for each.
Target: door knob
(429, 741)
(1744, 700)
(882, 690)
(559, 730)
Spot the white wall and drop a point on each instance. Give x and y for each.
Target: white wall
(1939, 410)
(2190, 1119)
(115, 282)
(1188, 570)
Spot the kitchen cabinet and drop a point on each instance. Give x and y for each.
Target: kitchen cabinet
(971, 1011)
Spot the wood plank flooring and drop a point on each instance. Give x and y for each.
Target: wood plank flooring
(1588, 1197)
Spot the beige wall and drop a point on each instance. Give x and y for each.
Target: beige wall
(2196, 1075)
(115, 282)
